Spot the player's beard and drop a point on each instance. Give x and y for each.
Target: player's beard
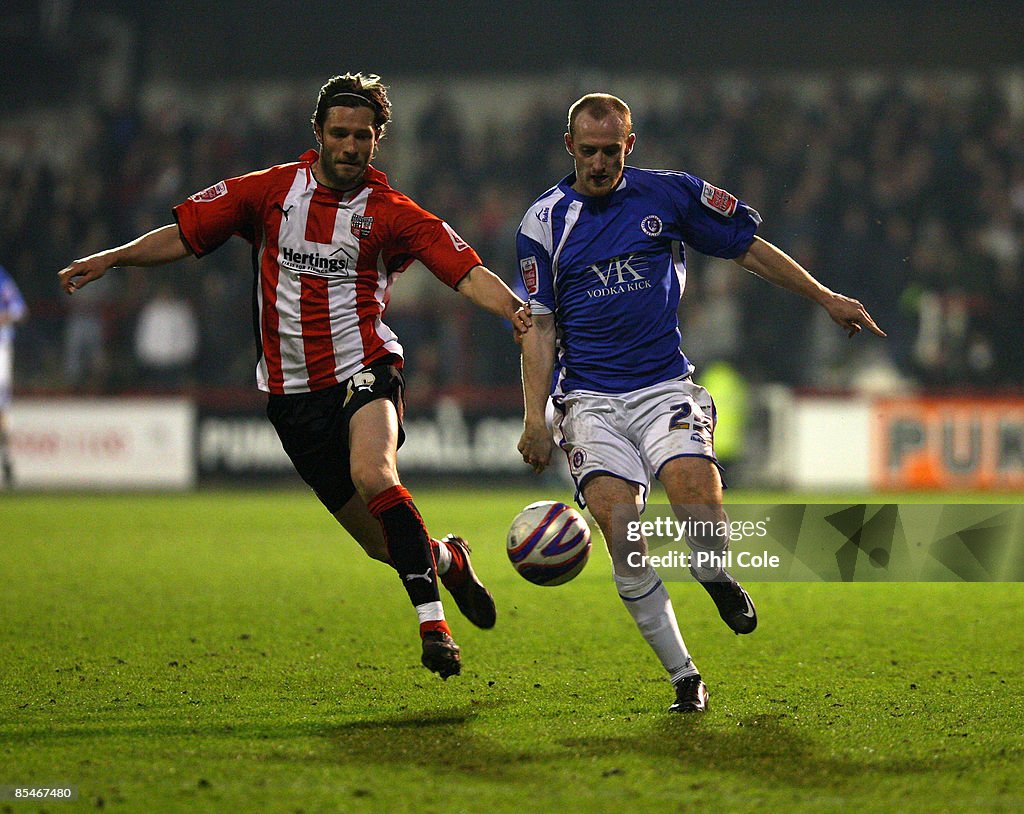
(342, 176)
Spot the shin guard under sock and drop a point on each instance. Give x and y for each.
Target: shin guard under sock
(408, 545)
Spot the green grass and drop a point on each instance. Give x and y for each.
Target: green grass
(236, 652)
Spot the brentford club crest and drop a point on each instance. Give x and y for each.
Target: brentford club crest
(361, 225)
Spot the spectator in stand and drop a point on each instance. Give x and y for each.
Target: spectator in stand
(167, 339)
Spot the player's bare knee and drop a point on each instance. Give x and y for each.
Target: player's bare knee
(370, 479)
(692, 482)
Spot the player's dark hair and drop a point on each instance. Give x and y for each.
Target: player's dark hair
(354, 90)
(600, 105)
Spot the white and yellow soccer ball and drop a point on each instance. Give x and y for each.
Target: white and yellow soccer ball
(548, 543)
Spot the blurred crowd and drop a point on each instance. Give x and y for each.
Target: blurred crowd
(905, 192)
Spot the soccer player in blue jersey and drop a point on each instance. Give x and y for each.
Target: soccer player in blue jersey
(601, 255)
(12, 311)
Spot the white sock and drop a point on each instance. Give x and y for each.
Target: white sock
(444, 558)
(707, 573)
(713, 546)
(430, 612)
(648, 602)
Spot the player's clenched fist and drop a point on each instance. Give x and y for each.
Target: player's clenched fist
(535, 446)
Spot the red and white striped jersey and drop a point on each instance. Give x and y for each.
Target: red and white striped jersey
(324, 264)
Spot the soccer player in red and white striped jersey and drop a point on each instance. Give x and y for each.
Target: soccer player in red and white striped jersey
(329, 237)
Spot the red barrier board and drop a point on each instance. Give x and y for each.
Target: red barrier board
(933, 442)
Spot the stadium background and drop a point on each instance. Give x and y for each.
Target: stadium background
(882, 145)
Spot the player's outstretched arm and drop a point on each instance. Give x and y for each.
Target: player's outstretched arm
(538, 346)
(774, 265)
(163, 245)
(486, 289)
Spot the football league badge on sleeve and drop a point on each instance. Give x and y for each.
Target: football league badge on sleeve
(719, 200)
(528, 266)
(218, 190)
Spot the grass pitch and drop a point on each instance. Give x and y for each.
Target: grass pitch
(232, 652)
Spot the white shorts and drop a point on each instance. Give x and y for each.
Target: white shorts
(6, 372)
(633, 435)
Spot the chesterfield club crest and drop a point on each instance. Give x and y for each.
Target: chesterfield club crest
(361, 225)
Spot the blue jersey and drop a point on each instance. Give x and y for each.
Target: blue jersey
(12, 306)
(612, 271)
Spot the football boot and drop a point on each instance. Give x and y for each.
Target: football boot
(733, 603)
(440, 654)
(691, 695)
(474, 600)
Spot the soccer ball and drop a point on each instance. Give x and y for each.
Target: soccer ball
(548, 543)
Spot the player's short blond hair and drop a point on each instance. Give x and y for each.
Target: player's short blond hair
(600, 106)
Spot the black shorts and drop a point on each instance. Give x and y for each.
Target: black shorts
(313, 428)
